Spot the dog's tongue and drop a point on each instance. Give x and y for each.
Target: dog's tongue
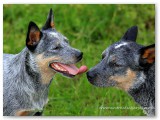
(72, 69)
(82, 69)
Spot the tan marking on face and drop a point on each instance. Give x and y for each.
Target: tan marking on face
(125, 81)
(46, 72)
(23, 113)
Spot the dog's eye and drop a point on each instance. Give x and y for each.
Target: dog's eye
(56, 48)
(117, 65)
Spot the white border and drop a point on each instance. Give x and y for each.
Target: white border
(81, 1)
(1, 53)
(84, 2)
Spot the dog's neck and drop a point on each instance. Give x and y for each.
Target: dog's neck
(145, 94)
(45, 71)
(36, 65)
(28, 79)
(31, 67)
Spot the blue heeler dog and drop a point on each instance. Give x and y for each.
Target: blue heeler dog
(28, 74)
(128, 66)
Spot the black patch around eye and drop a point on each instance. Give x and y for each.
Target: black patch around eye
(56, 48)
(114, 64)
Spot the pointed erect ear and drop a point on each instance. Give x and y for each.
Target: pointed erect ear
(49, 23)
(33, 36)
(131, 34)
(147, 55)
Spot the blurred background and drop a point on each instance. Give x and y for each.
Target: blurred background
(90, 28)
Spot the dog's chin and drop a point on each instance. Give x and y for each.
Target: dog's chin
(98, 83)
(68, 75)
(64, 73)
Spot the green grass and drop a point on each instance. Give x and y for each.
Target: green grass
(90, 28)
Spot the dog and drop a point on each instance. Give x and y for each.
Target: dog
(128, 66)
(28, 74)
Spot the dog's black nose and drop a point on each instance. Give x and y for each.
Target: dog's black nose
(90, 76)
(79, 55)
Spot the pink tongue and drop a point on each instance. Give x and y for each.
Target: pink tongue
(82, 69)
(72, 69)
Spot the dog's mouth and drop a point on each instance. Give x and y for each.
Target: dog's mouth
(69, 70)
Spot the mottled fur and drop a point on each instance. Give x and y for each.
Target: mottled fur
(128, 66)
(27, 76)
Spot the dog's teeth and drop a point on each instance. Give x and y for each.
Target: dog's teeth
(58, 67)
(61, 69)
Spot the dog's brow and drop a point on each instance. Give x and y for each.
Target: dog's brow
(54, 34)
(119, 45)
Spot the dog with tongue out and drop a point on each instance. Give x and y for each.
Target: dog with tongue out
(27, 75)
(60, 56)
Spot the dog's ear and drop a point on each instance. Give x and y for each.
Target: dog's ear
(33, 36)
(131, 34)
(49, 23)
(147, 56)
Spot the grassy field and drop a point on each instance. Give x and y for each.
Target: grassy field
(90, 28)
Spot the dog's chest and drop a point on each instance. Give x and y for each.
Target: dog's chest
(40, 98)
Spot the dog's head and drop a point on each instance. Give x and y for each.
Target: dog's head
(123, 63)
(52, 50)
